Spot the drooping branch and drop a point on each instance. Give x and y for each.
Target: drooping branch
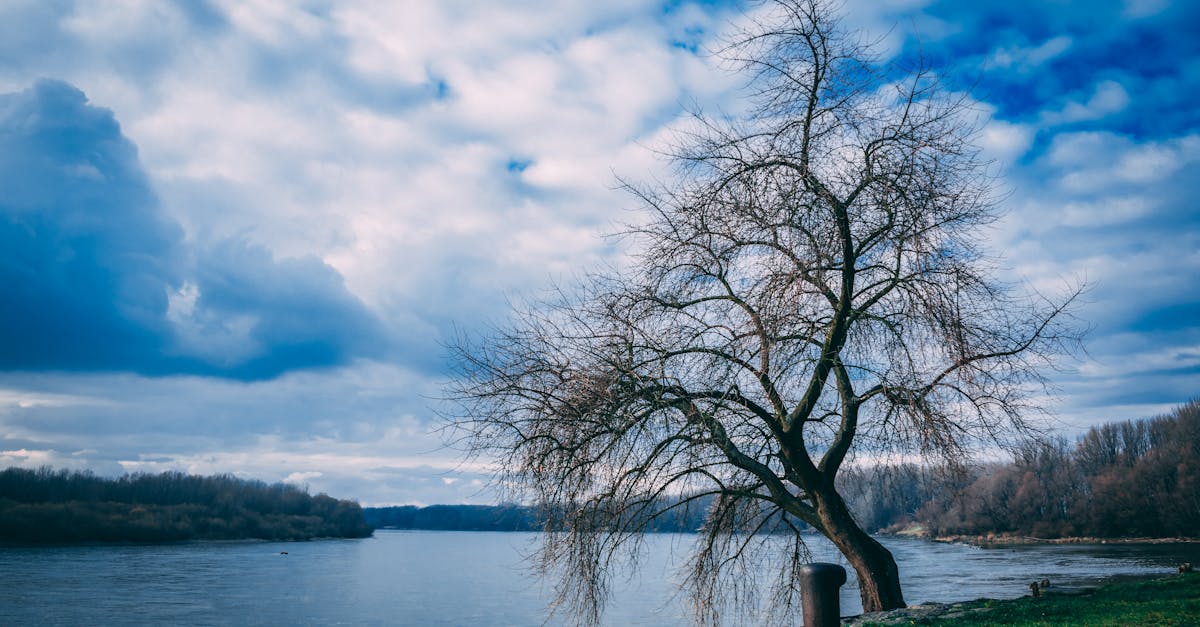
(811, 285)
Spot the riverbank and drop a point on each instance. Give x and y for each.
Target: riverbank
(1005, 539)
(992, 540)
(1171, 600)
(48, 507)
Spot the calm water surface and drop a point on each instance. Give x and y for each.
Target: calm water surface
(460, 578)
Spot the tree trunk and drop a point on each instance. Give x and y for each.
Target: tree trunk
(878, 576)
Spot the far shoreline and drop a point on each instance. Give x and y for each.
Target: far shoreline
(1009, 540)
(985, 541)
(62, 544)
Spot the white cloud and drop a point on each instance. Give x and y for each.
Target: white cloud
(1141, 362)
(1100, 161)
(301, 478)
(1112, 210)
(1145, 8)
(273, 22)
(399, 198)
(386, 41)
(876, 21)
(1029, 58)
(25, 457)
(25, 399)
(1115, 212)
(1109, 97)
(1152, 163)
(1004, 141)
(350, 429)
(137, 21)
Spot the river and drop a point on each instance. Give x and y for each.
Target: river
(462, 578)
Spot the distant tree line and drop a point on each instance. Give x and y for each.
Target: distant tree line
(1127, 479)
(509, 517)
(49, 506)
(455, 517)
(1138, 478)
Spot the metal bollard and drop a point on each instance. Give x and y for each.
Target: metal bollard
(819, 584)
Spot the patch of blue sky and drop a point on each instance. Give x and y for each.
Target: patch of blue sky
(516, 165)
(1022, 57)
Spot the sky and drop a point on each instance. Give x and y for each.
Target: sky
(236, 234)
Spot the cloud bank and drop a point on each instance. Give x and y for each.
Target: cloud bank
(99, 278)
(252, 271)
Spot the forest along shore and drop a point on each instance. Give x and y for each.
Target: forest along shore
(45, 506)
(1131, 481)
(1134, 479)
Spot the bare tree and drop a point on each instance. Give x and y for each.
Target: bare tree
(808, 288)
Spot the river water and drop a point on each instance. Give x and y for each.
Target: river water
(462, 578)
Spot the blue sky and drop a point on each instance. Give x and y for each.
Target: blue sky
(235, 233)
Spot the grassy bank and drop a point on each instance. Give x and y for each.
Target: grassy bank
(1173, 600)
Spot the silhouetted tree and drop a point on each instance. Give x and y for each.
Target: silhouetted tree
(808, 287)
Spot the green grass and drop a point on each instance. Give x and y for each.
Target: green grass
(1173, 600)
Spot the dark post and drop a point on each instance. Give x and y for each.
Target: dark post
(819, 583)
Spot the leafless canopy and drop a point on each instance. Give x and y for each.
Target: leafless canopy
(808, 286)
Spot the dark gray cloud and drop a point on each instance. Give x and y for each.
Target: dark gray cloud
(98, 277)
(89, 258)
(293, 313)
